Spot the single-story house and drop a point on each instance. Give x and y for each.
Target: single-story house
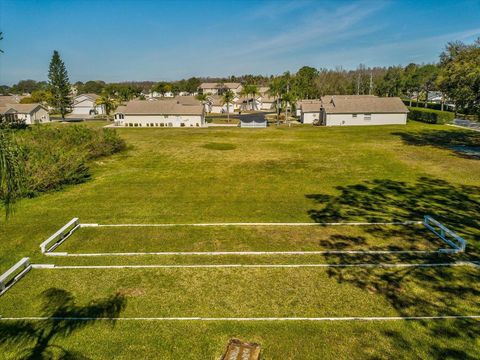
(85, 104)
(161, 113)
(253, 122)
(31, 113)
(219, 88)
(192, 100)
(335, 110)
(8, 113)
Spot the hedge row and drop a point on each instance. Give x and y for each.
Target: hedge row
(430, 105)
(430, 116)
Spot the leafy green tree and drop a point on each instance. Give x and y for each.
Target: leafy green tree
(59, 85)
(428, 77)
(304, 83)
(92, 87)
(459, 76)
(38, 96)
(192, 85)
(227, 99)
(411, 81)
(390, 84)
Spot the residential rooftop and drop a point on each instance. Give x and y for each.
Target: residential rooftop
(160, 107)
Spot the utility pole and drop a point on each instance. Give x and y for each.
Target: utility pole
(358, 83)
(371, 84)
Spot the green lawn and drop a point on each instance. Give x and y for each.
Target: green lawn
(244, 238)
(298, 174)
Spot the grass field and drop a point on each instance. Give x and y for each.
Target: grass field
(256, 238)
(298, 174)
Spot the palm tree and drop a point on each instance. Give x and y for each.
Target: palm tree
(254, 92)
(288, 99)
(274, 90)
(11, 171)
(203, 98)
(109, 103)
(245, 92)
(1, 38)
(228, 97)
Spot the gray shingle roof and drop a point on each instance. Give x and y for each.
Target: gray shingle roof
(159, 107)
(351, 104)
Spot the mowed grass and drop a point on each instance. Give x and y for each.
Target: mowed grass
(251, 292)
(273, 175)
(298, 174)
(250, 238)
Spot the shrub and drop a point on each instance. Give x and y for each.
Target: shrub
(430, 116)
(57, 156)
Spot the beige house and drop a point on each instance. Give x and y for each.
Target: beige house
(219, 88)
(31, 113)
(338, 110)
(85, 104)
(160, 113)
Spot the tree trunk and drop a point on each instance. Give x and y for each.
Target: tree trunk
(278, 111)
(228, 113)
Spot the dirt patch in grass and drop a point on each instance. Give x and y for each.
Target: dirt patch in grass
(219, 146)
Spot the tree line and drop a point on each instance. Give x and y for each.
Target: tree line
(456, 76)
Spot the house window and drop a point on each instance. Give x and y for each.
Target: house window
(182, 124)
(165, 116)
(151, 125)
(148, 124)
(170, 124)
(162, 124)
(367, 117)
(354, 115)
(135, 124)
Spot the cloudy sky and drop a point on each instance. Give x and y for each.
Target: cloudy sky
(167, 40)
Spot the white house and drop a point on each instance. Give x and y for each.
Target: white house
(335, 110)
(31, 113)
(161, 113)
(219, 88)
(84, 104)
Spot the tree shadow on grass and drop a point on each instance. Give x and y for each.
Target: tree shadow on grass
(458, 206)
(466, 144)
(414, 291)
(58, 304)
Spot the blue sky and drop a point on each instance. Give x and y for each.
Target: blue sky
(167, 40)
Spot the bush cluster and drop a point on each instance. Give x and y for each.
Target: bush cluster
(430, 116)
(57, 156)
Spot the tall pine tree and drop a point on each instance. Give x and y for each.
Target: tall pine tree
(59, 85)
